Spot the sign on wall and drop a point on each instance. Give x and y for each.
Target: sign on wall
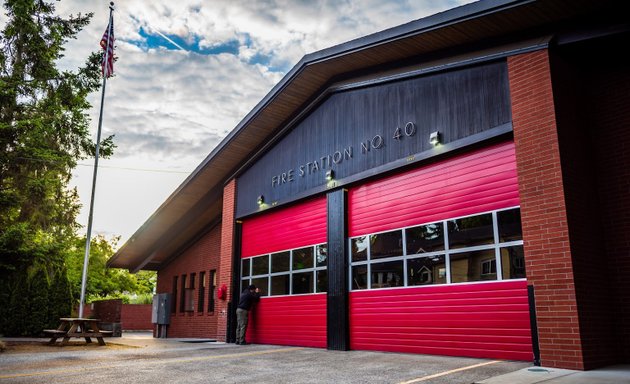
(360, 129)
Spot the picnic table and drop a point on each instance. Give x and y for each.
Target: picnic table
(77, 327)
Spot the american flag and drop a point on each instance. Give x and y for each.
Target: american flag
(107, 43)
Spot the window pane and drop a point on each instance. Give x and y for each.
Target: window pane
(263, 284)
(359, 248)
(386, 245)
(245, 284)
(425, 238)
(302, 283)
(260, 265)
(510, 225)
(359, 277)
(321, 253)
(322, 281)
(426, 270)
(245, 267)
(470, 231)
(174, 295)
(387, 274)
(280, 262)
(303, 258)
(280, 285)
(473, 266)
(513, 262)
(212, 284)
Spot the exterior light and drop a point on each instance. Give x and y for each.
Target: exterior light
(260, 200)
(330, 174)
(435, 138)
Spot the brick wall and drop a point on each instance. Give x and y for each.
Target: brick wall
(136, 317)
(108, 311)
(608, 100)
(203, 256)
(543, 210)
(591, 263)
(133, 317)
(227, 251)
(87, 311)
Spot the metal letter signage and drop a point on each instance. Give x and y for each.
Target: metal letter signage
(312, 167)
(327, 161)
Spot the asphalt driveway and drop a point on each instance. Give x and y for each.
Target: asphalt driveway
(146, 360)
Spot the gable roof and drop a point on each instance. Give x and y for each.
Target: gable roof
(196, 205)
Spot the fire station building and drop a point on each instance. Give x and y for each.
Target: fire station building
(458, 185)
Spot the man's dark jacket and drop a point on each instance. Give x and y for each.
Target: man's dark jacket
(248, 298)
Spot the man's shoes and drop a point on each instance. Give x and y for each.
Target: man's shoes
(238, 343)
(244, 343)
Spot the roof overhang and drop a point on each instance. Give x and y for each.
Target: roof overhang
(196, 205)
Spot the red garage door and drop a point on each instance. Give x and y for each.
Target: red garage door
(437, 260)
(283, 253)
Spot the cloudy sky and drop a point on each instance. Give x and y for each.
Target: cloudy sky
(188, 71)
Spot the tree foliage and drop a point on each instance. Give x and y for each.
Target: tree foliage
(44, 131)
(103, 282)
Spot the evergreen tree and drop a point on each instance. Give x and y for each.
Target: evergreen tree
(38, 305)
(44, 131)
(59, 305)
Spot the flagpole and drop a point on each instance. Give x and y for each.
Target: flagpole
(88, 238)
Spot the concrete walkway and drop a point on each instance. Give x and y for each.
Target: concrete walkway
(610, 375)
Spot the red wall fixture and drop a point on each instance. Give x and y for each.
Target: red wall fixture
(478, 181)
(286, 228)
(484, 320)
(289, 320)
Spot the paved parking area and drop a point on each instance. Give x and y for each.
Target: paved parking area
(139, 358)
(174, 361)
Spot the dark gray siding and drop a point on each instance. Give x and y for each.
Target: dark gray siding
(457, 103)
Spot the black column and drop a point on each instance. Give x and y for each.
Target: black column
(236, 283)
(533, 324)
(337, 303)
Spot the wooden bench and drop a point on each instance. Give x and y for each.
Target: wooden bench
(55, 334)
(54, 331)
(77, 327)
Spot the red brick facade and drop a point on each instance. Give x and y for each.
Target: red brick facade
(226, 255)
(547, 245)
(203, 256)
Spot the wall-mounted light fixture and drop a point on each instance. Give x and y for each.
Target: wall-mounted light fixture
(260, 200)
(330, 174)
(435, 138)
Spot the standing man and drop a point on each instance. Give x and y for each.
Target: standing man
(248, 298)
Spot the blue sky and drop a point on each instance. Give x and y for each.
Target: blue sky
(158, 41)
(188, 71)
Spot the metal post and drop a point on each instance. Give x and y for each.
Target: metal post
(88, 239)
